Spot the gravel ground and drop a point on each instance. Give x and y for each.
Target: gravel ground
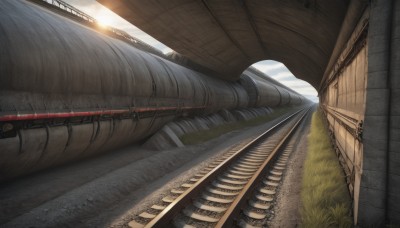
(288, 204)
(107, 191)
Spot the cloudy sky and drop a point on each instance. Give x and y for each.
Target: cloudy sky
(279, 72)
(274, 69)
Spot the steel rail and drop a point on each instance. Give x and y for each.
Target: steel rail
(185, 198)
(234, 209)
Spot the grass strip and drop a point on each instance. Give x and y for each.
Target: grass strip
(206, 135)
(325, 198)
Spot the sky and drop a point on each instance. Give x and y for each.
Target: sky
(281, 73)
(274, 69)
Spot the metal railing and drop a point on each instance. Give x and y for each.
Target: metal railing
(117, 33)
(70, 9)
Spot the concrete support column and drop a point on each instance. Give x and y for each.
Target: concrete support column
(393, 200)
(373, 189)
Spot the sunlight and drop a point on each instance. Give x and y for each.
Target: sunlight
(104, 20)
(167, 51)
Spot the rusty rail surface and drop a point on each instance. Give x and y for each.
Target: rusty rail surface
(167, 215)
(234, 209)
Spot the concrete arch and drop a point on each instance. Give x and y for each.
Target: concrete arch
(348, 49)
(227, 36)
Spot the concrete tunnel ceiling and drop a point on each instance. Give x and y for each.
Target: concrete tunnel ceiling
(227, 36)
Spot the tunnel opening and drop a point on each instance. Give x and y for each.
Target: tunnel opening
(358, 100)
(279, 72)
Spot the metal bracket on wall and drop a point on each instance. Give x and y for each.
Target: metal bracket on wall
(359, 130)
(353, 126)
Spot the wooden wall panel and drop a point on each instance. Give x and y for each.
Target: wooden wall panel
(343, 101)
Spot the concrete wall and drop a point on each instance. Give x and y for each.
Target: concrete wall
(393, 200)
(373, 189)
(365, 88)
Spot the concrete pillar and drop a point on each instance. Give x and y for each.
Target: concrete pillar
(373, 189)
(393, 199)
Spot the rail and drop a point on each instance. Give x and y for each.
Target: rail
(235, 208)
(175, 207)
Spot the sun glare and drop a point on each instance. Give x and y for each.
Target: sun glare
(104, 21)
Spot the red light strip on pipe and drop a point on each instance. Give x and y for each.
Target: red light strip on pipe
(36, 116)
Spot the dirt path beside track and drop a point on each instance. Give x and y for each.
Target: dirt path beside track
(107, 191)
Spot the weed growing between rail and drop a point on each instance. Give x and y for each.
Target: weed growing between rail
(325, 198)
(203, 136)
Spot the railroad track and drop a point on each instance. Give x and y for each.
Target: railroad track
(241, 178)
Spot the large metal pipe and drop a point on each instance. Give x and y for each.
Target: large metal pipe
(68, 91)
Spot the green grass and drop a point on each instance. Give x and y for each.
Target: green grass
(325, 198)
(206, 135)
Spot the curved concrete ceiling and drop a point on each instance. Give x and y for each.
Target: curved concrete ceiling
(227, 36)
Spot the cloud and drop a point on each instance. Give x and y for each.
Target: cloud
(312, 98)
(279, 72)
(284, 76)
(265, 66)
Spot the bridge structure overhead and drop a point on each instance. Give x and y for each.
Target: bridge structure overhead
(70, 89)
(228, 36)
(348, 49)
